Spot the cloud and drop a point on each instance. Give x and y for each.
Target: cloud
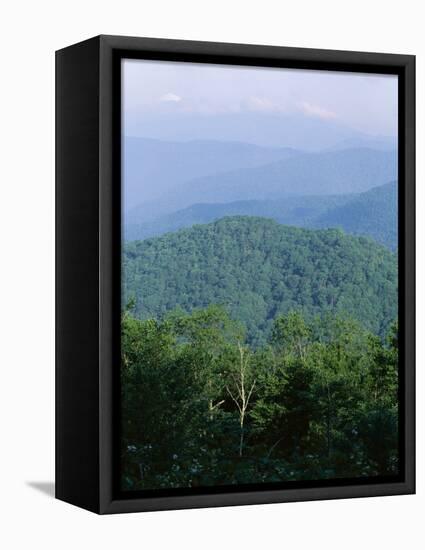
(310, 109)
(254, 103)
(260, 104)
(263, 104)
(170, 98)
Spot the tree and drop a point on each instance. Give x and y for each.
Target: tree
(291, 335)
(241, 388)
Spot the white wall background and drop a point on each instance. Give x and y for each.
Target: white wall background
(30, 32)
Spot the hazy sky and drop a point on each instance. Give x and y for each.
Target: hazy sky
(182, 91)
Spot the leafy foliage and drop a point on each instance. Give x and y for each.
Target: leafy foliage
(200, 407)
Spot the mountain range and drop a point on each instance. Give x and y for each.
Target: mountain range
(152, 167)
(373, 213)
(327, 173)
(267, 129)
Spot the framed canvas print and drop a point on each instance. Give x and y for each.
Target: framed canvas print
(235, 274)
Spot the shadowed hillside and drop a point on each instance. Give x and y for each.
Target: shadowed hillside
(373, 213)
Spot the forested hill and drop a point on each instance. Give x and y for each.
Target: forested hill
(258, 269)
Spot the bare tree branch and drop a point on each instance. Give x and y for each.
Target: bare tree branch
(234, 399)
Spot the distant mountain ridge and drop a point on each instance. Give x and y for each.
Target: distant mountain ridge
(379, 143)
(373, 213)
(266, 129)
(153, 167)
(298, 211)
(328, 173)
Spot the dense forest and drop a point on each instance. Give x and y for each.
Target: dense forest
(259, 269)
(200, 407)
(256, 352)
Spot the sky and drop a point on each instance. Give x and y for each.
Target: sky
(190, 96)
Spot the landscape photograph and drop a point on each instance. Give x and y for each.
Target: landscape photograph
(259, 276)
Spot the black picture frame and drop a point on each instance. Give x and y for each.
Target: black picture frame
(88, 199)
